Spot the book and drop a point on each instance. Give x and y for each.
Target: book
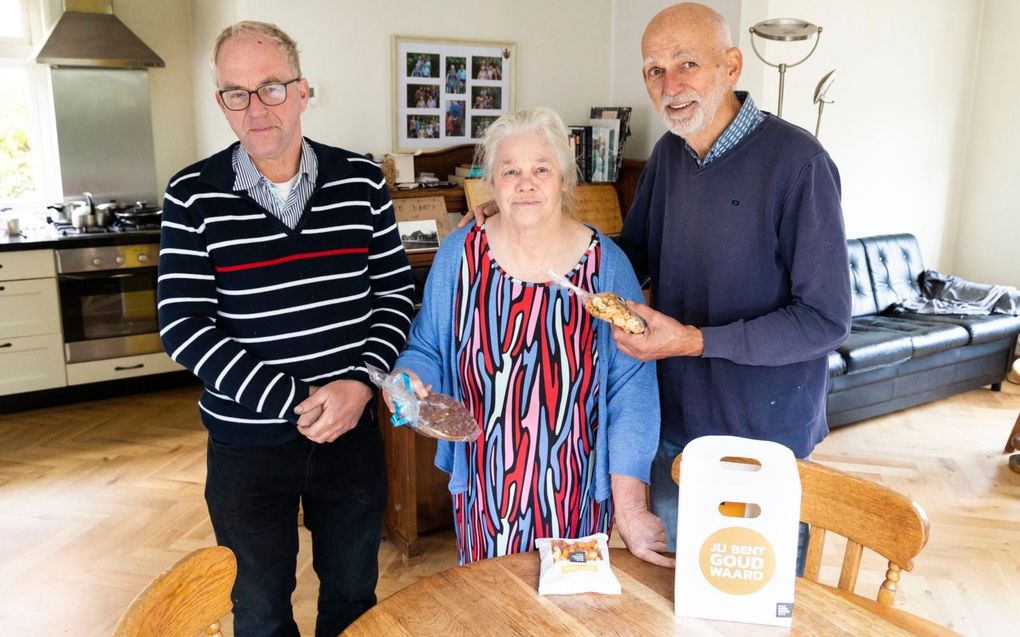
(621, 113)
(609, 131)
(581, 136)
(468, 171)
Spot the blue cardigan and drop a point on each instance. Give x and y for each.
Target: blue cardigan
(628, 401)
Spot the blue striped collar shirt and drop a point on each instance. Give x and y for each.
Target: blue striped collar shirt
(748, 118)
(247, 177)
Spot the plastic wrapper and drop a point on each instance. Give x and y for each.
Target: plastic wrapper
(576, 566)
(608, 306)
(436, 416)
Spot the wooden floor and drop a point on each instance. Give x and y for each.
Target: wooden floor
(97, 498)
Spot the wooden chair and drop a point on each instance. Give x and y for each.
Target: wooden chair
(191, 596)
(1012, 443)
(1013, 435)
(867, 514)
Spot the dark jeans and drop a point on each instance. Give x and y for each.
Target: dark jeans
(253, 494)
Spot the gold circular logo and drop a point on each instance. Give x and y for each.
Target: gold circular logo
(737, 560)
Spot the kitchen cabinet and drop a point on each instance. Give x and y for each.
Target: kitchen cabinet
(118, 368)
(31, 346)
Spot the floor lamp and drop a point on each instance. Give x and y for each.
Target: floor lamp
(785, 30)
(821, 91)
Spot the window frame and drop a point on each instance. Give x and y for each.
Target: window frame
(20, 53)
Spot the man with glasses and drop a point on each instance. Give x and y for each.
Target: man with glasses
(281, 276)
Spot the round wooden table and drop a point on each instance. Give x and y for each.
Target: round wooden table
(500, 597)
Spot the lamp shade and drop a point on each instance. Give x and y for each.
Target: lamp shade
(785, 29)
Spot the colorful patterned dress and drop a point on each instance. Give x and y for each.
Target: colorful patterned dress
(528, 366)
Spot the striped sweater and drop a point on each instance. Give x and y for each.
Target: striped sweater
(260, 312)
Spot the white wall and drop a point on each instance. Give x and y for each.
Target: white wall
(346, 50)
(166, 27)
(988, 243)
(921, 126)
(899, 128)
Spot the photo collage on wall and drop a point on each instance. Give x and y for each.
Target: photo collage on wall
(449, 92)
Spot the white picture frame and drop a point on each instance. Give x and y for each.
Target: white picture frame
(434, 108)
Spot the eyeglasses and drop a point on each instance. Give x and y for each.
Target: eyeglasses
(272, 94)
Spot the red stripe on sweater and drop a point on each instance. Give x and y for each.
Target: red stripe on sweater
(292, 257)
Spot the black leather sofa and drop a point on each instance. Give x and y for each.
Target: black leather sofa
(895, 359)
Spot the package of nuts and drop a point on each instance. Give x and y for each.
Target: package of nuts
(608, 306)
(578, 565)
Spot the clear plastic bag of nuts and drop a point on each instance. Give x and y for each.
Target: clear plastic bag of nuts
(436, 416)
(608, 306)
(578, 565)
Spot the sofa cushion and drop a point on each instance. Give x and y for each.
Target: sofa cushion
(868, 347)
(837, 366)
(926, 337)
(894, 263)
(982, 328)
(861, 292)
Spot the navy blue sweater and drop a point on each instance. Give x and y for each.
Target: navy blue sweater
(751, 249)
(259, 311)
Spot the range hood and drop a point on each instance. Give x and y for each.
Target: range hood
(89, 35)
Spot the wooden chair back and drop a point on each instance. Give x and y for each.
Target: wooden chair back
(190, 597)
(867, 514)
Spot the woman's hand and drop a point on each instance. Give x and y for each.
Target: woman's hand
(420, 391)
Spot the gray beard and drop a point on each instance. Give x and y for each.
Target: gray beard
(704, 110)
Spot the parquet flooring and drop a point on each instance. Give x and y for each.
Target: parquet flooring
(97, 498)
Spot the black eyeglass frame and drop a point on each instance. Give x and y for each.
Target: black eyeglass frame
(257, 94)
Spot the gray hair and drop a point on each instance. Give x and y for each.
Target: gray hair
(273, 33)
(539, 120)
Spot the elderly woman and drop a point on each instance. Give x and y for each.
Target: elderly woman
(569, 423)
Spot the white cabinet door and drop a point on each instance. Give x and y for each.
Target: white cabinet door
(31, 264)
(29, 308)
(31, 363)
(125, 367)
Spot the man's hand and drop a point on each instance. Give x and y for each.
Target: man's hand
(663, 337)
(640, 530)
(479, 214)
(341, 404)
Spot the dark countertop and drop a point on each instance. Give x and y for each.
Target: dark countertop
(48, 239)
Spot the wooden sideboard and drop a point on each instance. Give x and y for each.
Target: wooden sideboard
(418, 498)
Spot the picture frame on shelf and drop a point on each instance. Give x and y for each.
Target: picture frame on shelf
(422, 222)
(447, 92)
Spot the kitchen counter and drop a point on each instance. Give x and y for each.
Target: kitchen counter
(47, 238)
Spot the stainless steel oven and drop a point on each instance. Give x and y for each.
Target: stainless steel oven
(108, 301)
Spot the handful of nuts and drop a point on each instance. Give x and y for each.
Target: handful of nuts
(608, 306)
(562, 550)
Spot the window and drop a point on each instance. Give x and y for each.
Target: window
(14, 22)
(17, 171)
(29, 172)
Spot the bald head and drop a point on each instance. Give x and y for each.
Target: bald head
(690, 18)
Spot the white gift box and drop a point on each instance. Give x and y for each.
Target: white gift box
(737, 568)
